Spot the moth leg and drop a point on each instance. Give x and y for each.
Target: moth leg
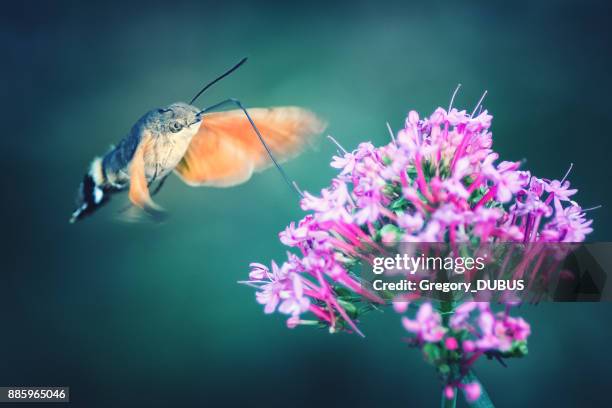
(159, 185)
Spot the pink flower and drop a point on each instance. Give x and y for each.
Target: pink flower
(346, 163)
(456, 188)
(426, 325)
(501, 331)
(485, 221)
(488, 339)
(293, 300)
(560, 189)
(459, 318)
(509, 181)
(410, 222)
(293, 322)
(536, 186)
(369, 211)
(570, 223)
(284, 286)
(510, 329)
(449, 392)
(468, 346)
(400, 306)
(448, 214)
(529, 203)
(456, 118)
(438, 180)
(332, 205)
(293, 236)
(258, 271)
(483, 120)
(269, 293)
(451, 343)
(472, 391)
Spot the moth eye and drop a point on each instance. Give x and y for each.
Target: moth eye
(175, 127)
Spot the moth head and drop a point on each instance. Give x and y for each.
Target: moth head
(178, 118)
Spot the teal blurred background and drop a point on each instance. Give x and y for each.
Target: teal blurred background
(151, 315)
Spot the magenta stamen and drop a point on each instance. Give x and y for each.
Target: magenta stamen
(460, 150)
(479, 102)
(475, 184)
(534, 231)
(320, 313)
(488, 196)
(346, 233)
(592, 208)
(567, 173)
(313, 294)
(549, 198)
(527, 231)
(404, 179)
(330, 137)
(391, 133)
(388, 213)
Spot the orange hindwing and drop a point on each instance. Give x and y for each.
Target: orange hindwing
(226, 150)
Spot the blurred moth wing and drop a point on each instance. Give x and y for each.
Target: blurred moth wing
(225, 151)
(139, 193)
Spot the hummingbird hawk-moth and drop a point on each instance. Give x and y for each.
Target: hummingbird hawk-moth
(204, 148)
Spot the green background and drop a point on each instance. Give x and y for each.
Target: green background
(151, 315)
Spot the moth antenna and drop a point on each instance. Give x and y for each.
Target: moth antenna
(235, 67)
(261, 139)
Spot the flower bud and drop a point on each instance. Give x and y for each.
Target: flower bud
(472, 391)
(293, 322)
(469, 346)
(451, 343)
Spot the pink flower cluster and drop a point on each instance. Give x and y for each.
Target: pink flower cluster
(492, 331)
(473, 330)
(438, 180)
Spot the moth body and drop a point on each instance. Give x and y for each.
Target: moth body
(219, 149)
(164, 135)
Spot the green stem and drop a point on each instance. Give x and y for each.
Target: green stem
(446, 309)
(484, 401)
